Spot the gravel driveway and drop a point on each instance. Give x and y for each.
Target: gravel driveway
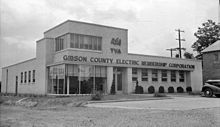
(190, 112)
(177, 103)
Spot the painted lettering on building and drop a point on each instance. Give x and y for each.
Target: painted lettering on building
(126, 62)
(116, 42)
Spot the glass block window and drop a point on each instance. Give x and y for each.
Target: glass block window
(144, 74)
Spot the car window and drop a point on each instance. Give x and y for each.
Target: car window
(214, 83)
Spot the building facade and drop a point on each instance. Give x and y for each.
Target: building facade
(211, 62)
(78, 58)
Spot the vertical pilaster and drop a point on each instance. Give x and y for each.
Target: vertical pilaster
(177, 77)
(109, 78)
(169, 76)
(139, 75)
(159, 72)
(68, 85)
(128, 80)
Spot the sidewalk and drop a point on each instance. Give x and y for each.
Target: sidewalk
(141, 97)
(131, 97)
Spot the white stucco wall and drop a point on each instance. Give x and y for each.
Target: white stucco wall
(46, 56)
(15, 70)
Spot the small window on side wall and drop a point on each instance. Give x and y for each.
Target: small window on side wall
(33, 76)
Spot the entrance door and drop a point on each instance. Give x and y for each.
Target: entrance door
(117, 77)
(16, 85)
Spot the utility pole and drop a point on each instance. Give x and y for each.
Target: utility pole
(171, 51)
(179, 39)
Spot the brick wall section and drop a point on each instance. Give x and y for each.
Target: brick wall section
(211, 68)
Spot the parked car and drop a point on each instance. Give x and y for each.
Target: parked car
(211, 87)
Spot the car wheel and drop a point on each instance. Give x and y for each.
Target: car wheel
(217, 95)
(208, 92)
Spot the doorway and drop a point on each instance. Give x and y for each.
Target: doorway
(16, 85)
(117, 77)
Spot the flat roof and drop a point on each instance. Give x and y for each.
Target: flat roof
(164, 57)
(19, 63)
(85, 23)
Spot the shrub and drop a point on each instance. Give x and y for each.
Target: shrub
(139, 89)
(113, 88)
(180, 90)
(151, 89)
(188, 89)
(97, 96)
(161, 89)
(170, 89)
(159, 95)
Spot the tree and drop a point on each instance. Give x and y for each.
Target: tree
(206, 35)
(188, 55)
(177, 55)
(112, 91)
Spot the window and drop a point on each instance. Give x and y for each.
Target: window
(181, 76)
(21, 77)
(29, 76)
(99, 43)
(144, 75)
(33, 77)
(134, 71)
(134, 74)
(25, 77)
(85, 42)
(59, 43)
(164, 75)
(173, 76)
(154, 75)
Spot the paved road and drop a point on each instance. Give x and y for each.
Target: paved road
(177, 103)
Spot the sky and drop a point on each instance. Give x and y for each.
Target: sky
(151, 24)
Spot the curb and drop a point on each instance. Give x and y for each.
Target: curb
(124, 100)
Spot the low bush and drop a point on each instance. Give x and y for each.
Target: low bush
(161, 89)
(139, 89)
(160, 95)
(112, 91)
(170, 89)
(188, 89)
(180, 90)
(97, 96)
(151, 89)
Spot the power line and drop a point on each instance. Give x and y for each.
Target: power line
(171, 51)
(179, 39)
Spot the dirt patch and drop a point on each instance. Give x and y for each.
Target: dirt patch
(14, 116)
(70, 101)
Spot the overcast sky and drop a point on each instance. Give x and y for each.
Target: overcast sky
(151, 24)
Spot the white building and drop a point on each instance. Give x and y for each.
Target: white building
(77, 58)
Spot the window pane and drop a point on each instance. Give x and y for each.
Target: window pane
(59, 43)
(90, 43)
(33, 77)
(95, 45)
(97, 71)
(25, 77)
(173, 76)
(29, 76)
(76, 40)
(99, 44)
(87, 40)
(181, 76)
(21, 77)
(72, 42)
(81, 41)
(154, 75)
(144, 75)
(164, 75)
(134, 70)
